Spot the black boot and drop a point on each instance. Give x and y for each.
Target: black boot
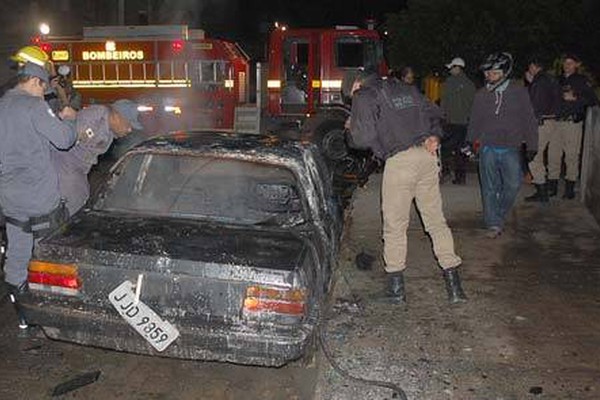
(569, 190)
(13, 294)
(460, 178)
(540, 195)
(453, 286)
(396, 291)
(552, 187)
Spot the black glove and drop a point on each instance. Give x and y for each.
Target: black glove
(467, 150)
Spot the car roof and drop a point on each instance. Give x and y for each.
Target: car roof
(211, 141)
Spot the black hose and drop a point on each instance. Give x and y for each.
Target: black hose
(397, 390)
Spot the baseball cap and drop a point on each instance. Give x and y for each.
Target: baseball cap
(456, 62)
(129, 110)
(571, 56)
(31, 69)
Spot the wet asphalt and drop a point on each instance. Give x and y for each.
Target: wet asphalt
(530, 330)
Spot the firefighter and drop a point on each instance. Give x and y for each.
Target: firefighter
(402, 127)
(97, 126)
(32, 54)
(29, 195)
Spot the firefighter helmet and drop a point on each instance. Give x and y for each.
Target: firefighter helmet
(32, 54)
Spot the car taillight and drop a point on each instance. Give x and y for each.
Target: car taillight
(58, 278)
(268, 300)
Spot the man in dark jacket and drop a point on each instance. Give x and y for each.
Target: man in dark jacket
(577, 96)
(502, 119)
(457, 98)
(544, 93)
(402, 127)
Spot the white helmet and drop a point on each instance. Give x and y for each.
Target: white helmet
(64, 70)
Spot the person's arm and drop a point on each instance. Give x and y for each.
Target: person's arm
(444, 99)
(588, 95)
(75, 101)
(529, 121)
(474, 127)
(363, 120)
(61, 134)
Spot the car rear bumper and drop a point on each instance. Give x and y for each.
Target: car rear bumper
(240, 344)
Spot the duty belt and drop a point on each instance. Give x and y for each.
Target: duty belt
(43, 224)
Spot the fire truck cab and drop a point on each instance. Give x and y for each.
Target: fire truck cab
(307, 87)
(307, 66)
(184, 78)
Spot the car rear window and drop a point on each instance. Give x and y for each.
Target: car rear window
(215, 188)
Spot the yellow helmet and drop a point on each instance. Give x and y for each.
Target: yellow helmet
(32, 54)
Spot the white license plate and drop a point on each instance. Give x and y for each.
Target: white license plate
(160, 334)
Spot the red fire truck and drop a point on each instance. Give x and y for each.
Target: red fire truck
(187, 80)
(307, 66)
(308, 83)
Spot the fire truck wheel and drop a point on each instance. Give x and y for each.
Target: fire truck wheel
(332, 140)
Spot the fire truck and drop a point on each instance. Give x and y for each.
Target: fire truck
(183, 78)
(308, 84)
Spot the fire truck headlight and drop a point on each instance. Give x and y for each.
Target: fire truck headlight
(173, 109)
(274, 84)
(144, 108)
(229, 83)
(44, 28)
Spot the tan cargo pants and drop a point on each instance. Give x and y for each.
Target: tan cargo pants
(546, 138)
(567, 137)
(413, 174)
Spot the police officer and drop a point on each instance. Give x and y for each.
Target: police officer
(29, 195)
(544, 93)
(577, 96)
(97, 126)
(402, 127)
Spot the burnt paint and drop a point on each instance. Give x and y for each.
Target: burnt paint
(197, 272)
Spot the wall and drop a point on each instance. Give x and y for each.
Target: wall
(590, 163)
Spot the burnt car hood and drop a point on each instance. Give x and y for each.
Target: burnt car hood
(177, 239)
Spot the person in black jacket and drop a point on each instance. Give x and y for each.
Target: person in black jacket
(402, 127)
(577, 96)
(544, 93)
(502, 119)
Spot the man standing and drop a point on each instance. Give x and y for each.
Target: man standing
(457, 98)
(577, 95)
(502, 119)
(544, 93)
(29, 194)
(98, 126)
(401, 126)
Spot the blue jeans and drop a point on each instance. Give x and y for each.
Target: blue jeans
(500, 174)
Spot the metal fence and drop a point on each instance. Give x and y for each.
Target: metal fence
(590, 163)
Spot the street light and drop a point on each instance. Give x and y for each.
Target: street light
(44, 28)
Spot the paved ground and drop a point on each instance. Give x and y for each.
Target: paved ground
(530, 330)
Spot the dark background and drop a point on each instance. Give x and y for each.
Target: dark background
(423, 33)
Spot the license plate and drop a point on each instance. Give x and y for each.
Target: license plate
(159, 333)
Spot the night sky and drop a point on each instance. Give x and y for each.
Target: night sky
(247, 21)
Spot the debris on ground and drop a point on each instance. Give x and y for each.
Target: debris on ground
(76, 383)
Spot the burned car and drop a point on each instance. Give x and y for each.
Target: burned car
(199, 246)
